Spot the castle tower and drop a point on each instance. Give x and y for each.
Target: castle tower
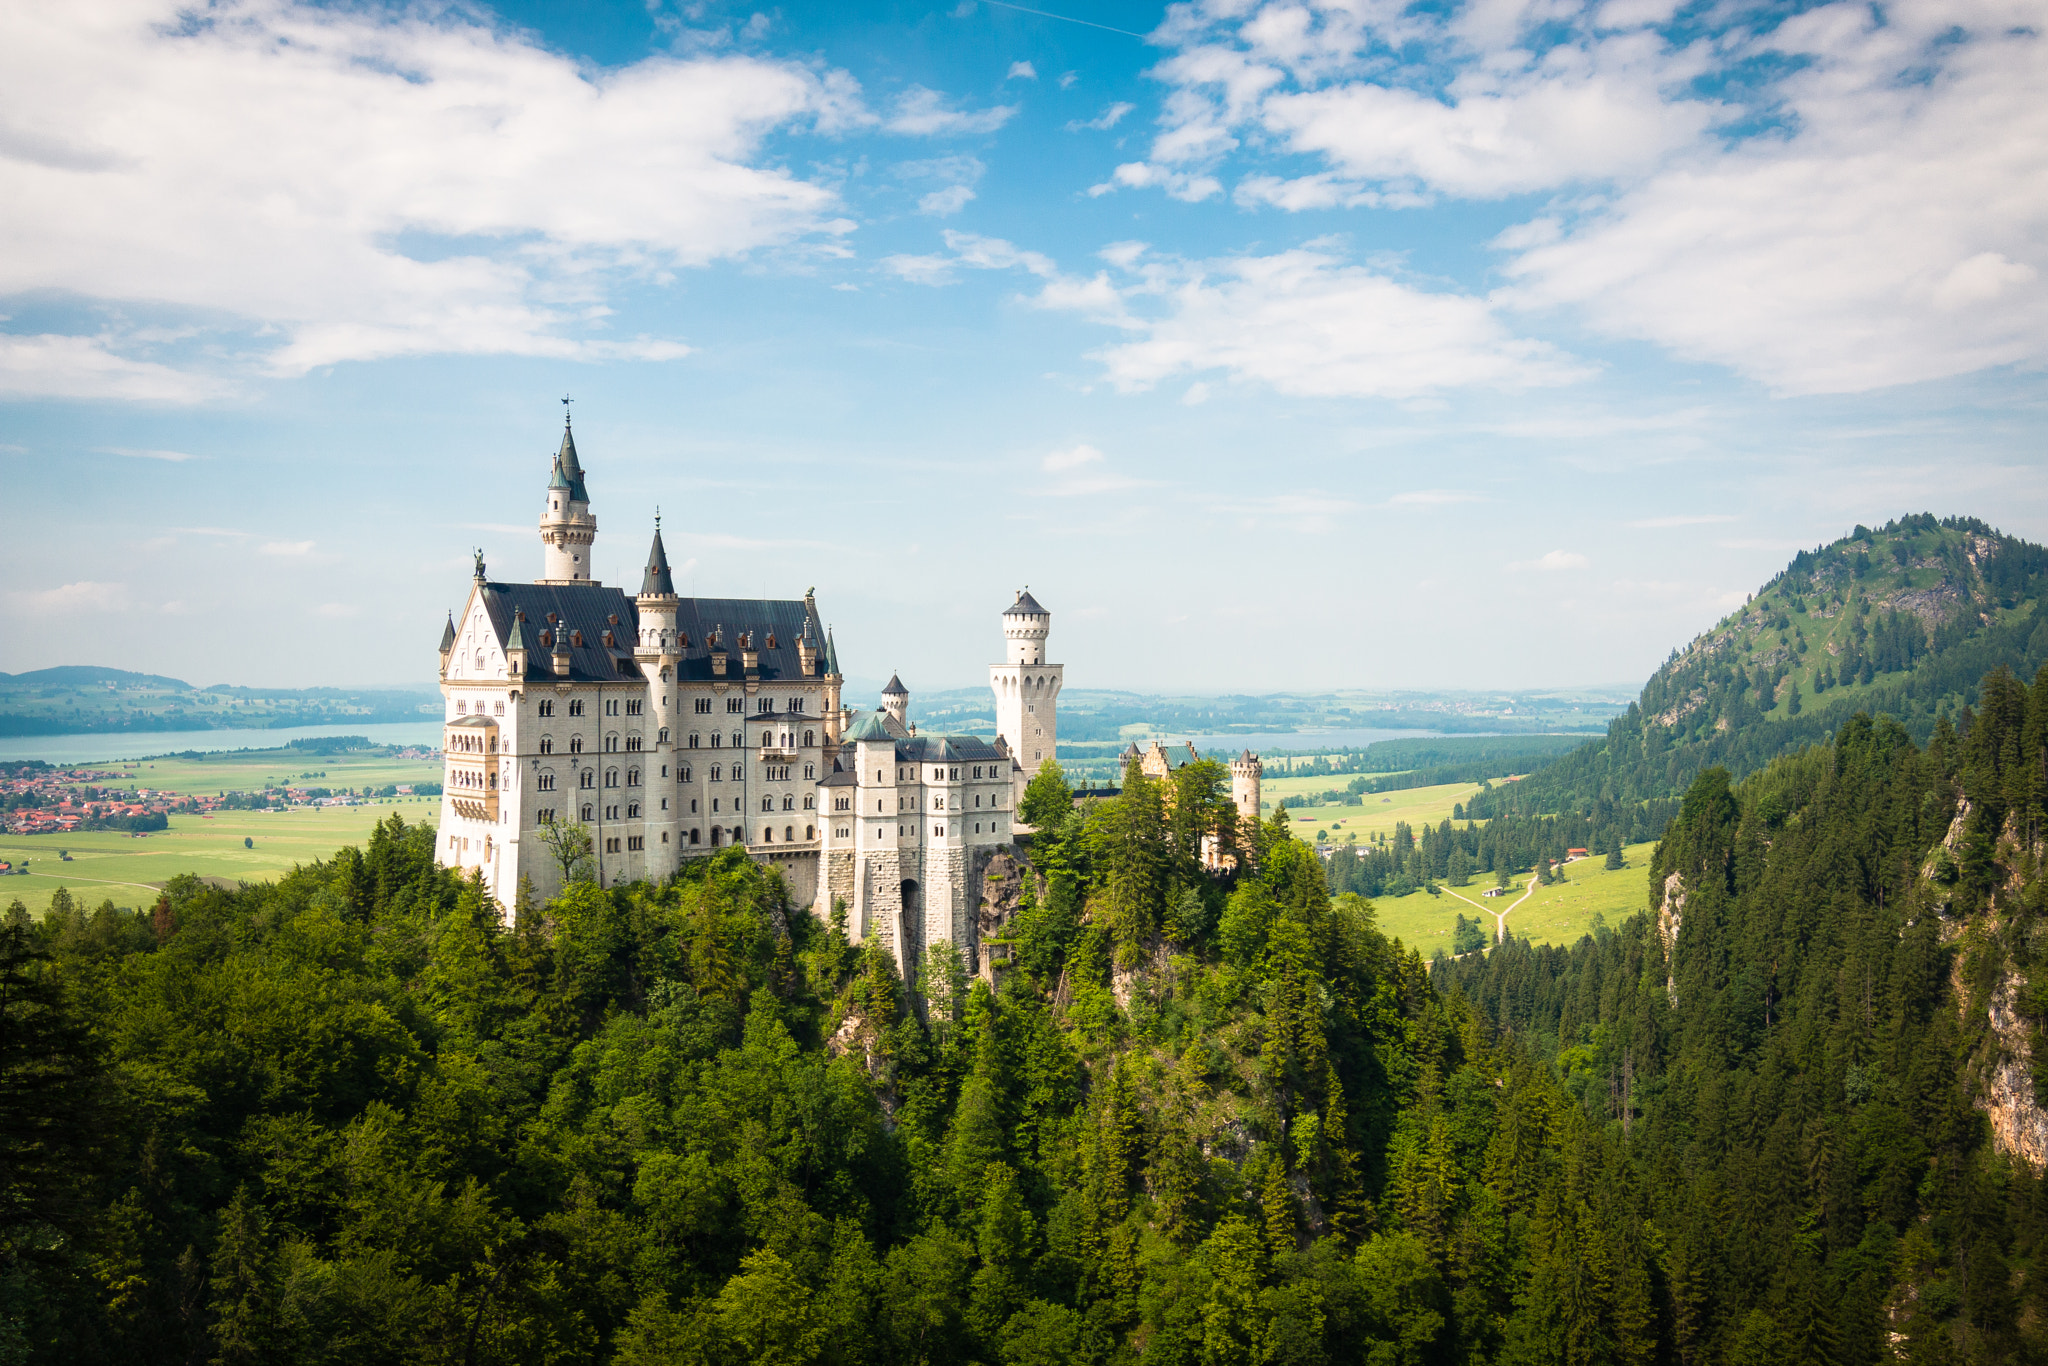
(657, 603)
(1027, 688)
(567, 530)
(896, 700)
(1245, 771)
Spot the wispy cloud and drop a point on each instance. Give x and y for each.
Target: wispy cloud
(84, 596)
(1433, 498)
(1679, 519)
(1082, 471)
(288, 548)
(1553, 561)
(923, 112)
(1103, 122)
(1022, 71)
(173, 456)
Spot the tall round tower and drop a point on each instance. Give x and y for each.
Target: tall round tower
(1245, 771)
(567, 530)
(1027, 688)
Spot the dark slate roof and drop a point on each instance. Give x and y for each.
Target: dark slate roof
(895, 688)
(1025, 605)
(448, 635)
(945, 749)
(657, 579)
(588, 608)
(565, 459)
(838, 777)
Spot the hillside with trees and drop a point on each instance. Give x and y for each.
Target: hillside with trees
(1901, 621)
(351, 1117)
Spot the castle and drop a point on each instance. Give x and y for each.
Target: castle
(671, 727)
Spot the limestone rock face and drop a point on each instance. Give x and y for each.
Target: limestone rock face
(1670, 919)
(1002, 894)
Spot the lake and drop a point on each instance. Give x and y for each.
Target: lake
(100, 749)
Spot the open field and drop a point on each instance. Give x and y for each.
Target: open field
(1415, 805)
(1557, 914)
(109, 865)
(252, 770)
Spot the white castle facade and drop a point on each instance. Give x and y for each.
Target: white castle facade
(673, 727)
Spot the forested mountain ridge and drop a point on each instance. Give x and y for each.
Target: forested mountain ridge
(1819, 1052)
(1903, 620)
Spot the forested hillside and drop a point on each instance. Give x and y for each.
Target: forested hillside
(350, 1118)
(1902, 621)
(1798, 1064)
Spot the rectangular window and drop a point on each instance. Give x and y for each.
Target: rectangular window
(635, 843)
(702, 706)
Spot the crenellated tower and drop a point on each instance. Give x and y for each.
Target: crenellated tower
(1245, 772)
(567, 530)
(896, 701)
(1027, 688)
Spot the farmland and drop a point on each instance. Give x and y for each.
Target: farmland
(1557, 914)
(124, 869)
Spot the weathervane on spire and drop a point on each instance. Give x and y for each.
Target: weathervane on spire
(657, 518)
(566, 400)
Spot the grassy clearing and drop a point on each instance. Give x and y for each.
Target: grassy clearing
(110, 866)
(1416, 805)
(254, 769)
(1557, 914)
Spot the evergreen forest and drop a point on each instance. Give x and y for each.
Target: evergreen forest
(1787, 1113)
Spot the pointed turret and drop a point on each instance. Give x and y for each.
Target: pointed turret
(448, 635)
(657, 581)
(515, 646)
(896, 699)
(567, 530)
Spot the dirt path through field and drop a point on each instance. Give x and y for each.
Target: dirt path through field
(1500, 918)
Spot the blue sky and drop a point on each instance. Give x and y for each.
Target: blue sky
(1281, 346)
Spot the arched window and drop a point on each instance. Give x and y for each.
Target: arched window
(767, 803)
(547, 706)
(632, 777)
(589, 778)
(789, 832)
(693, 740)
(575, 744)
(789, 803)
(737, 742)
(809, 738)
(479, 659)
(611, 777)
(662, 738)
(715, 770)
(767, 834)
(810, 803)
(546, 782)
(810, 833)
(714, 835)
(547, 744)
(693, 837)
(715, 737)
(767, 740)
(587, 809)
(611, 744)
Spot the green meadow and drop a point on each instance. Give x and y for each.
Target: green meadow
(1377, 814)
(127, 869)
(252, 770)
(1557, 914)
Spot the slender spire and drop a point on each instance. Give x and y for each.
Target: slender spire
(657, 582)
(831, 653)
(448, 634)
(517, 640)
(567, 464)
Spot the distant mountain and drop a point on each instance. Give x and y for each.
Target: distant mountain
(84, 699)
(68, 675)
(1904, 620)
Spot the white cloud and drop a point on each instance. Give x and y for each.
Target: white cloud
(70, 598)
(288, 548)
(922, 112)
(1022, 71)
(266, 162)
(941, 203)
(1553, 561)
(1433, 498)
(175, 457)
(1109, 118)
(1070, 459)
(339, 611)
(1679, 519)
(1080, 471)
(920, 270)
(56, 366)
(1858, 206)
(1308, 323)
(1197, 393)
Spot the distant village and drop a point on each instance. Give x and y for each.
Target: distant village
(37, 798)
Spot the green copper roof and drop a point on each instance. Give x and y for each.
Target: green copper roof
(872, 726)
